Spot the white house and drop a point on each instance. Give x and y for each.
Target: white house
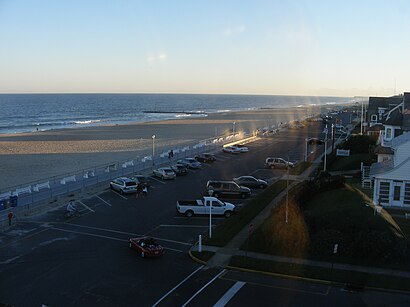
(392, 175)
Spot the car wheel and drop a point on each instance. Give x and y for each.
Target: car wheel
(162, 177)
(111, 187)
(142, 254)
(189, 213)
(227, 214)
(121, 191)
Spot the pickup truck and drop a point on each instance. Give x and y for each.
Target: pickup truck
(201, 206)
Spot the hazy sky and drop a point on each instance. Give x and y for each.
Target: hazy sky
(312, 47)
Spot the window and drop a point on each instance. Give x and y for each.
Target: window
(407, 194)
(374, 118)
(388, 134)
(396, 192)
(384, 190)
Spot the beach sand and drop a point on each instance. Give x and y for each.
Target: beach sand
(30, 157)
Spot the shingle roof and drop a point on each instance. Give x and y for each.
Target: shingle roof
(383, 150)
(381, 167)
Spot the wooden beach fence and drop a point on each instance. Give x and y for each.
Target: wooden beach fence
(21, 191)
(88, 174)
(128, 164)
(68, 179)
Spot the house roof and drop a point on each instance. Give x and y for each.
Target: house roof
(395, 117)
(400, 172)
(383, 150)
(381, 167)
(401, 139)
(406, 112)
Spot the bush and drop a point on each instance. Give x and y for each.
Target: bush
(359, 144)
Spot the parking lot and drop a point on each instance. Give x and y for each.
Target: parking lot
(86, 260)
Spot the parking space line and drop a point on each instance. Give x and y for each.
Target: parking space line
(85, 205)
(119, 194)
(103, 200)
(173, 289)
(206, 285)
(104, 229)
(157, 180)
(230, 294)
(199, 218)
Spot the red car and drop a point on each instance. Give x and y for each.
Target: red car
(146, 247)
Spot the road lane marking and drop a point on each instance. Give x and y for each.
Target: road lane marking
(230, 294)
(206, 285)
(79, 201)
(283, 288)
(173, 249)
(89, 234)
(103, 200)
(9, 260)
(118, 194)
(199, 218)
(173, 289)
(26, 237)
(129, 233)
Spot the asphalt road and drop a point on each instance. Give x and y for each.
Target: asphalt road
(86, 261)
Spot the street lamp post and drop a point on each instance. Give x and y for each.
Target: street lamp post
(210, 192)
(153, 149)
(233, 131)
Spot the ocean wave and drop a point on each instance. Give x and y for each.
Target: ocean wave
(87, 122)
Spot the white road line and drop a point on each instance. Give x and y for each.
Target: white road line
(188, 226)
(119, 195)
(229, 294)
(103, 200)
(157, 180)
(129, 233)
(85, 205)
(199, 218)
(173, 249)
(200, 290)
(173, 289)
(10, 260)
(89, 234)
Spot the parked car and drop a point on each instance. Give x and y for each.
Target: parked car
(315, 141)
(146, 247)
(165, 173)
(190, 163)
(124, 185)
(201, 206)
(226, 188)
(205, 157)
(278, 163)
(179, 169)
(241, 148)
(231, 150)
(141, 179)
(250, 182)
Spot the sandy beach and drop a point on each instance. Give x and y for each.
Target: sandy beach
(30, 157)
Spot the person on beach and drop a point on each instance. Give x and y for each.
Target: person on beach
(172, 153)
(169, 155)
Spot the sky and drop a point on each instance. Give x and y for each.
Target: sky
(313, 47)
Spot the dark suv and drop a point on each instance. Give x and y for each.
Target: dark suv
(226, 188)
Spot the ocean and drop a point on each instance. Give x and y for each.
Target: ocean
(40, 112)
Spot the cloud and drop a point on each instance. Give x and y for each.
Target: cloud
(155, 58)
(234, 30)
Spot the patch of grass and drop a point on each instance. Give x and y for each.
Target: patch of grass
(335, 216)
(300, 168)
(328, 274)
(356, 183)
(227, 230)
(351, 163)
(204, 255)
